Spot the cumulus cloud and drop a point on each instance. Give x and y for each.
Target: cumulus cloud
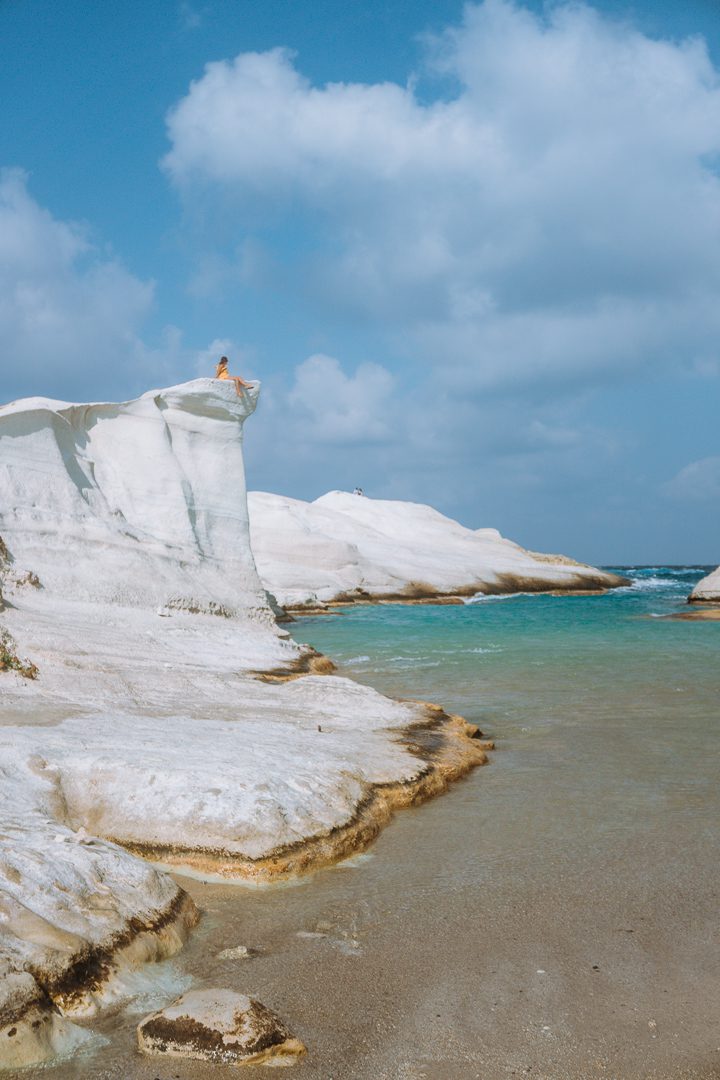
(334, 426)
(327, 426)
(698, 482)
(69, 315)
(552, 216)
(333, 407)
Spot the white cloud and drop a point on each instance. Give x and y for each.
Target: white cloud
(332, 407)
(557, 218)
(69, 317)
(327, 427)
(698, 482)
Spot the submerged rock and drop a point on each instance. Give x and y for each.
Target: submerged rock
(237, 952)
(349, 548)
(220, 1026)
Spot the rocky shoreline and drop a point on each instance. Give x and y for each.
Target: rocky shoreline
(154, 707)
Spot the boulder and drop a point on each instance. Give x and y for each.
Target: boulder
(220, 1026)
(707, 590)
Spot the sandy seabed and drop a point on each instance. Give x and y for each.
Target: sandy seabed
(436, 957)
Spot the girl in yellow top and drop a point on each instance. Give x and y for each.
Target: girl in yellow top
(221, 372)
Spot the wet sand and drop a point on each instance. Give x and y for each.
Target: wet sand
(437, 958)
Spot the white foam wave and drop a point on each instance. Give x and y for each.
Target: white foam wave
(480, 598)
(414, 661)
(357, 660)
(652, 584)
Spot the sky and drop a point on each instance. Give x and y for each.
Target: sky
(472, 251)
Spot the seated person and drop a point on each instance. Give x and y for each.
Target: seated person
(221, 372)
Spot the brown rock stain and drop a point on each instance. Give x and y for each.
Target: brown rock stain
(418, 592)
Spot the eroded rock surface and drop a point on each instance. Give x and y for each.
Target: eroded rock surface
(147, 730)
(220, 1026)
(707, 590)
(349, 548)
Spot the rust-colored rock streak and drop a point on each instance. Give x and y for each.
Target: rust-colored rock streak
(219, 1026)
(37, 1025)
(418, 592)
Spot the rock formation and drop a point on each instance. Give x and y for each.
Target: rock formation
(707, 590)
(147, 730)
(348, 548)
(219, 1026)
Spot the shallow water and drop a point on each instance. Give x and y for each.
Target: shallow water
(554, 915)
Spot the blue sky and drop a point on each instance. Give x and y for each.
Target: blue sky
(472, 252)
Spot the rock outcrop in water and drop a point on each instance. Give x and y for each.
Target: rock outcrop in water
(708, 589)
(346, 548)
(130, 587)
(219, 1026)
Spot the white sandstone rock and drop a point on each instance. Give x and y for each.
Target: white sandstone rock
(139, 504)
(220, 1026)
(349, 546)
(708, 589)
(146, 726)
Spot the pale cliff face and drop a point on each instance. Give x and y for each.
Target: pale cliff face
(141, 503)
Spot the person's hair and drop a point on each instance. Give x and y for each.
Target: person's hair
(223, 359)
(223, 362)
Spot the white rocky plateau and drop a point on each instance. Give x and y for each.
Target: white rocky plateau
(708, 589)
(152, 709)
(345, 548)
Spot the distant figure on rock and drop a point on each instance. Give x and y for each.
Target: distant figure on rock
(221, 372)
(358, 491)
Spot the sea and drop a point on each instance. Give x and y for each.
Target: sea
(555, 914)
(605, 712)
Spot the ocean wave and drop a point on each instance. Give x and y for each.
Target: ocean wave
(653, 583)
(357, 660)
(413, 661)
(668, 572)
(480, 598)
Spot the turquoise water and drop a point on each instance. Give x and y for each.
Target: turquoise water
(521, 652)
(605, 715)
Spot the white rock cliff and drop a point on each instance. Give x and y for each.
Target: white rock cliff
(132, 717)
(345, 548)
